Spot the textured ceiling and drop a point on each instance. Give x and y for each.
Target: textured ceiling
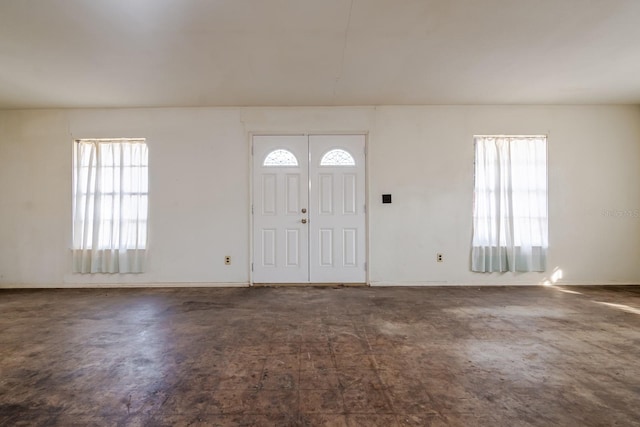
(153, 53)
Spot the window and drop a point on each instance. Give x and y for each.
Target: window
(110, 205)
(510, 204)
(337, 158)
(280, 158)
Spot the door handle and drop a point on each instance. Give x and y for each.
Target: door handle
(304, 220)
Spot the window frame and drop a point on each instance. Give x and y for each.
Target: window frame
(543, 219)
(142, 194)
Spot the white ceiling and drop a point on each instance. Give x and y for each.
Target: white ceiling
(134, 53)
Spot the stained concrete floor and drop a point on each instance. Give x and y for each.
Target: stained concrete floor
(498, 356)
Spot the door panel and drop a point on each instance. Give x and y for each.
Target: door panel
(293, 247)
(293, 189)
(281, 190)
(308, 209)
(349, 251)
(337, 171)
(268, 255)
(325, 184)
(349, 192)
(269, 194)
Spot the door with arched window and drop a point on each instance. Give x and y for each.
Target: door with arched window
(309, 209)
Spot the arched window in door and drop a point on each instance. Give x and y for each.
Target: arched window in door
(337, 157)
(280, 158)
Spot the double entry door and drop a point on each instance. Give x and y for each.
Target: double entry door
(309, 209)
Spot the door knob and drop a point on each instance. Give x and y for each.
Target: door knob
(304, 220)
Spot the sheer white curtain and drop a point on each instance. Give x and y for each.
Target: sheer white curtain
(510, 204)
(110, 206)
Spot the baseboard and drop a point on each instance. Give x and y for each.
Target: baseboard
(408, 284)
(469, 284)
(246, 284)
(125, 285)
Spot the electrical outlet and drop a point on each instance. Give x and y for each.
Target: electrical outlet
(439, 258)
(227, 260)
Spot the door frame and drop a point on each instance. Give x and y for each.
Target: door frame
(366, 197)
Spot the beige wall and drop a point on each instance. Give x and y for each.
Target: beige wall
(199, 178)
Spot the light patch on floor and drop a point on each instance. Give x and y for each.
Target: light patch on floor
(509, 311)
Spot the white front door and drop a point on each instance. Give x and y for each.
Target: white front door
(309, 209)
(280, 194)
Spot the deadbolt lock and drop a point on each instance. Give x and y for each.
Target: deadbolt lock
(304, 210)
(304, 220)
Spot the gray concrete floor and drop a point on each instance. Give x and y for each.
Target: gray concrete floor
(494, 356)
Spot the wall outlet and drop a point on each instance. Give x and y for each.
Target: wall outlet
(227, 260)
(439, 258)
